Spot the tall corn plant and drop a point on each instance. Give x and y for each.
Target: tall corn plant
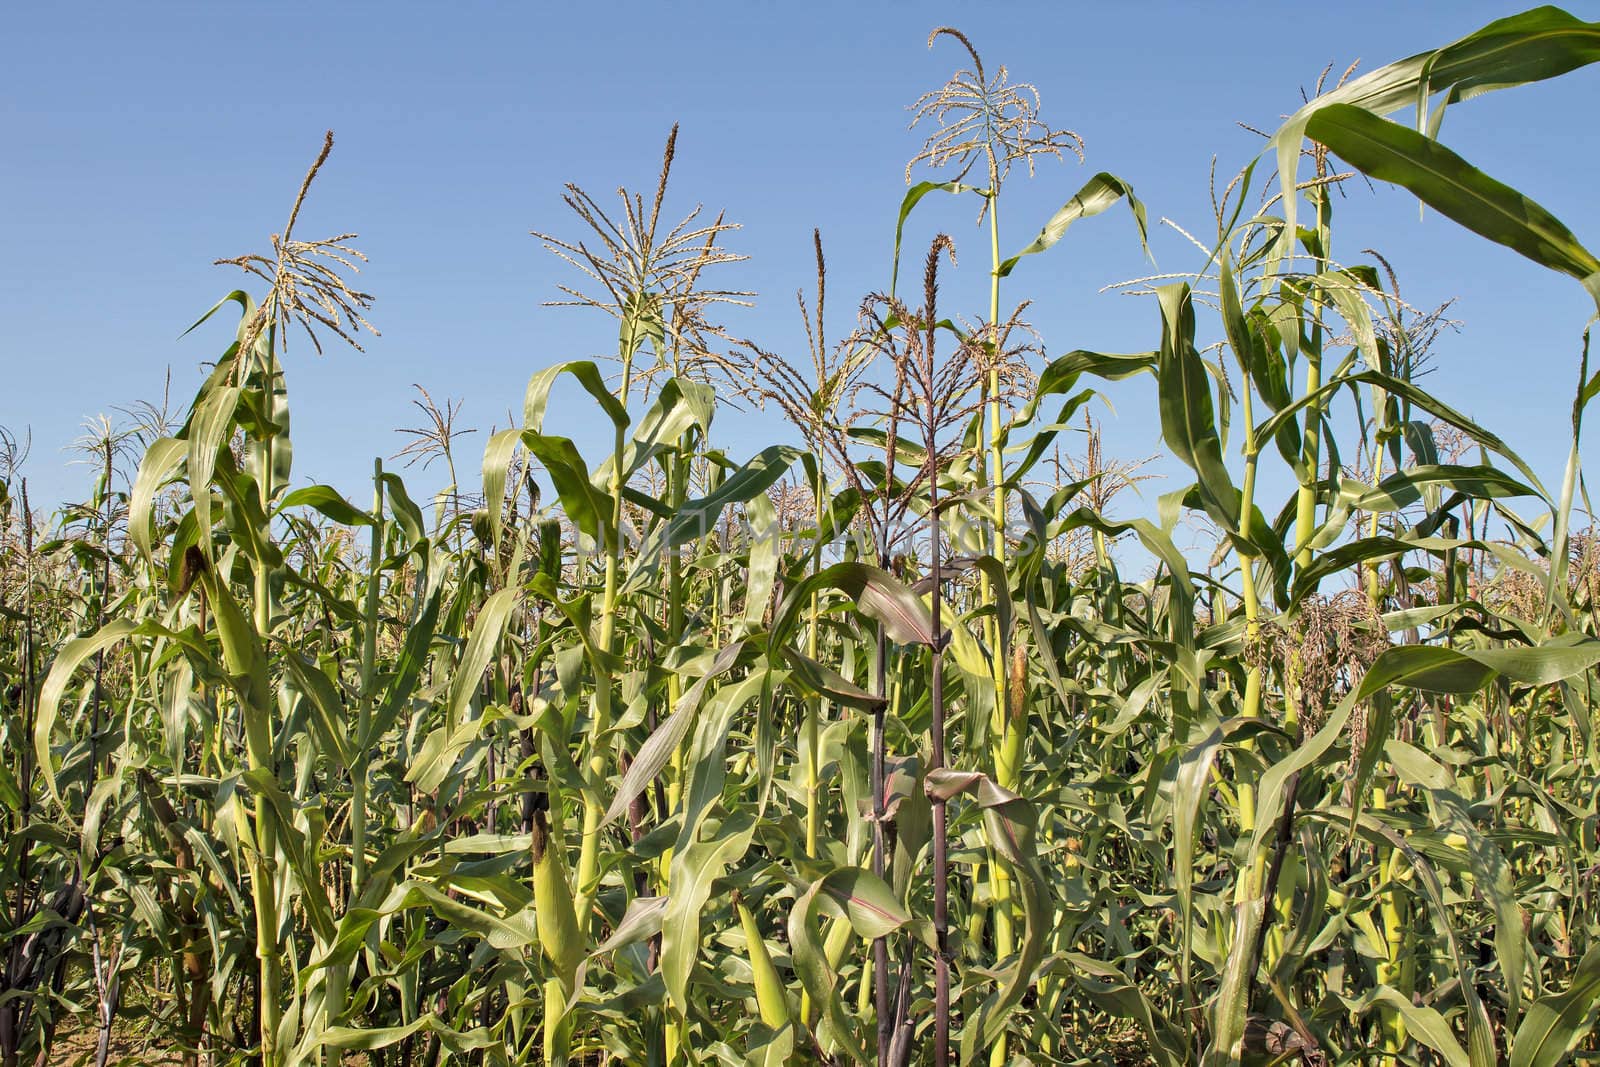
(988, 122)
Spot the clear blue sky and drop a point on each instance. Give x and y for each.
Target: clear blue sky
(143, 141)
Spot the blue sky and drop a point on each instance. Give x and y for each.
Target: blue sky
(144, 141)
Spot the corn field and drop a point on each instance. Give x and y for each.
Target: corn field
(870, 745)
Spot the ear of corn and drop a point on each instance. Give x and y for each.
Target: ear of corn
(770, 997)
(559, 937)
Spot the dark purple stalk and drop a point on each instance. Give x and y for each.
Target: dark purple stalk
(880, 946)
(941, 861)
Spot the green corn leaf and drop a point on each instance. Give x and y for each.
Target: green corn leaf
(871, 910)
(700, 858)
(583, 503)
(679, 405)
(1535, 45)
(1098, 194)
(295, 844)
(1425, 1023)
(761, 562)
(1011, 825)
(327, 706)
(245, 521)
(658, 748)
(1190, 787)
(1189, 422)
(695, 518)
(436, 759)
(821, 680)
(1491, 873)
(1428, 667)
(246, 664)
(497, 456)
(1061, 374)
(1460, 671)
(1251, 340)
(208, 433)
(877, 594)
(865, 901)
(1406, 487)
(1109, 989)
(160, 461)
(1481, 1050)
(1411, 393)
(1556, 1022)
(326, 499)
(1453, 187)
(695, 866)
(404, 509)
(537, 398)
(72, 656)
(408, 670)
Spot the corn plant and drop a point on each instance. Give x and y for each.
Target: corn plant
(866, 745)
